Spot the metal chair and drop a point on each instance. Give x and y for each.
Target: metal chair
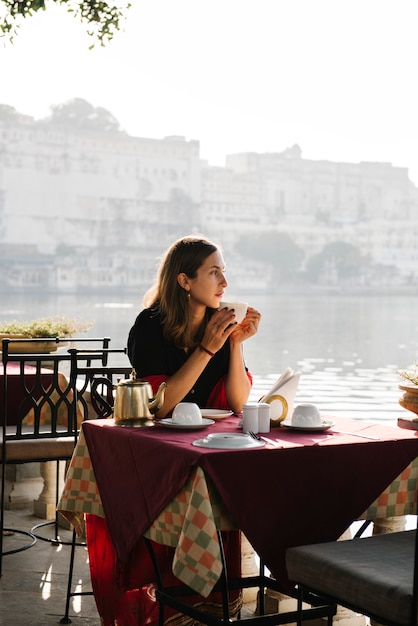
(86, 358)
(376, 576)
(38, 415)
(176, 596)
(27, 436)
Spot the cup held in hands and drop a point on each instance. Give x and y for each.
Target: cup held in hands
(306, 415)
(187, 413)
(240, 309)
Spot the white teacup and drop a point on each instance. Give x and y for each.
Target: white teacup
(240, 309)
(187, 413)
(306, 415)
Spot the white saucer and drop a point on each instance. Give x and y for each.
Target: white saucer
(324, 426)
(216, 414)
(168, 423)
(228, 441)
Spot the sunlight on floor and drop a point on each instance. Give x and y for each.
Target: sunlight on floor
(46, 584)
(76, 603)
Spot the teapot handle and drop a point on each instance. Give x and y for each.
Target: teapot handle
(102, 400)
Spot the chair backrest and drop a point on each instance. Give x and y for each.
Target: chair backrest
(96, 383)
(38, 388)
(37, 398)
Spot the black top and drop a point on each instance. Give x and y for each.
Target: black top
(150, 353)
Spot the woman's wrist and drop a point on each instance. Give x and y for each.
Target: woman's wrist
(203, 349)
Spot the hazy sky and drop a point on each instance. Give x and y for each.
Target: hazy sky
(338, 77)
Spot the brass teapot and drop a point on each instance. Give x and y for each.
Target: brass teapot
(133, 401)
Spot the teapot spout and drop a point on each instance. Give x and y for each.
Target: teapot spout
(156, 403)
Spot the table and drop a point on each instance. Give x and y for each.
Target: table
(152, 480)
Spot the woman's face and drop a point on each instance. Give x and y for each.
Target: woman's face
(210, 283)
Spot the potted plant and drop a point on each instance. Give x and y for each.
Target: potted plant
(409, 400)
(43, 328)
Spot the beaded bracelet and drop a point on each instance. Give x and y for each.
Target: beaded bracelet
(203, 349)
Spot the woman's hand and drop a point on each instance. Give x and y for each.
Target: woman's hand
(223, 325)
(220, 326)
(248, 326)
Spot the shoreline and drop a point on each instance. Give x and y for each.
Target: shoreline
(296, 290)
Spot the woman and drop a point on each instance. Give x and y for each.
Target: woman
(183, 338)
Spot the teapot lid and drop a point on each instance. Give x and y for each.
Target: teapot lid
(133, 381)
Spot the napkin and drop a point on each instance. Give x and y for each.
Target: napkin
(281, 395)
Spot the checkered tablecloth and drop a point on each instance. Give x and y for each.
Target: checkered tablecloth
(400, 498)
(190, 521)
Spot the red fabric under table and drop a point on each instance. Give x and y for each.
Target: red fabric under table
(124, 592)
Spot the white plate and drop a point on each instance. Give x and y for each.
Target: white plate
(216, 414)
(168, 423)
(324, 426)
(228, 441)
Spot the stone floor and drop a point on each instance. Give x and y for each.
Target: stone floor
(34, 582)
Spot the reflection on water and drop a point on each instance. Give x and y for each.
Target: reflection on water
(347, 347)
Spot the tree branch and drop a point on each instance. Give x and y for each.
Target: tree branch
(102, 18)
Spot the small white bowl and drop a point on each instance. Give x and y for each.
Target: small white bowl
(240, 309)
(306, 415)
(187, 413)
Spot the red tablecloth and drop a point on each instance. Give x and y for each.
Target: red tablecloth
(14, 389)
(309, 491)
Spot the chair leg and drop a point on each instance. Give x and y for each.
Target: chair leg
(71, 594)
(299, 607)
(261, 589)
(224, 579)
(363, 528)
(66, 619)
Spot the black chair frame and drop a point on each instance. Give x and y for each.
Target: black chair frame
(52, 361)
(89, 356)
(306, 593)
(13, 436)
(172, 596)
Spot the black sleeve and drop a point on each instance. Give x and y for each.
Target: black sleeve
(146, 345)
(152, 355)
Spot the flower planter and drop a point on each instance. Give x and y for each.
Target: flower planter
(409, 400)
(30, 346)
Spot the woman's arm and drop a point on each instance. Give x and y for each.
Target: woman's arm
(180, 383)
(237, 384)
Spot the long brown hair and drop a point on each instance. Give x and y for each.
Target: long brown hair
(186, 255)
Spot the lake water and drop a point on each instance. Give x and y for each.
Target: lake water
(346, 346)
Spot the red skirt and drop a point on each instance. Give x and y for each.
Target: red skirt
(125, 593)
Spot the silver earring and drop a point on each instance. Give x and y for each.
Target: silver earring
(188, 296)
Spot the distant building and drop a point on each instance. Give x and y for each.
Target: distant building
(95, 207)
